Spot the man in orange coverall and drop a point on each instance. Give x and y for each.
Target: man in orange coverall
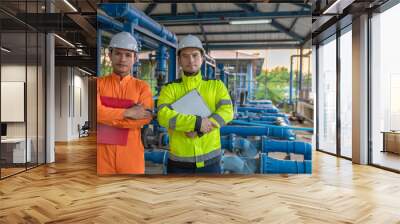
(124, 105)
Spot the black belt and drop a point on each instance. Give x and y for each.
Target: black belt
(193, 165)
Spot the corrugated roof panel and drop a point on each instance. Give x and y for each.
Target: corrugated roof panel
(289, 7)
(267, 7)
(244, 28)
(140, 6)
(246, 37)
(285, 21)
(207, 7)
(303, 26)
(162, 8)
(184, 29)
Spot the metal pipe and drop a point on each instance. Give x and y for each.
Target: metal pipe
(241, 146)
(276, 166)
(291, 75)
(172, 64)
(297, 147)
(239, 165)
(277, 132)
(130, 13)
(272, 109)
(249, 114)
(238, 122)
(156, 156)
(257, 102)
(107, 23)
(161, 70)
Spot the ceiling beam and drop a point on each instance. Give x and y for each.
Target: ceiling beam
(303, 5)
(279, 26)
(295, 20)
(252, 41)
(224, 16)
(253, 46)
(277, 7)
(284, 29)
(86, 26)
(196, 12)
(246, 7)
(232, 32)
(150, 8)
(174, 9)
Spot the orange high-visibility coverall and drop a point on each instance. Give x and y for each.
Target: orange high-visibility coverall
(129, 158)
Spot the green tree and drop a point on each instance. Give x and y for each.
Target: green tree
(274, 84)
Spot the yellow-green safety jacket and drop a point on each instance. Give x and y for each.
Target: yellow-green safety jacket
(199, 150)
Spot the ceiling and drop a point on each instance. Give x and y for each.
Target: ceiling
(290, 23)
(329, 16)
(22, 20)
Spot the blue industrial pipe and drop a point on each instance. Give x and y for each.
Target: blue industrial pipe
(222, 76)
(276, 166)
(273, 131)
(271, 109)
(233, 164)
(251, 114)
(210, 72)
(238, 145)
(165, 140)
(172, 64)
(239, 165)
(297, 147)
(158, 157)
(107, 23)
(257, 102)
(238, 122)
(266, 120)
(161, 69)
(131, 14)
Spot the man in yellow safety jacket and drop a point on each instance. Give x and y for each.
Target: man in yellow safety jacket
(195, 145)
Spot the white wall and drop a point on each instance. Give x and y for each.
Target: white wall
(34, 125)
(16, 73)
(71, 94)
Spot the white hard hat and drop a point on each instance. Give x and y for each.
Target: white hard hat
(124, 40)
(190, 41)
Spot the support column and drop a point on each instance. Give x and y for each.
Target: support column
(50, 92)
(360, 90)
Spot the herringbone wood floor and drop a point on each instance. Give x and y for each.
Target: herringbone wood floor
(69, 191)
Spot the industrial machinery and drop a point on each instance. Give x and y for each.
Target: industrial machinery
(251, 143)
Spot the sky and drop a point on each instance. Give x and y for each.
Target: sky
(277, 57)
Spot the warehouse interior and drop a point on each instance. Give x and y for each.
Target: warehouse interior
(315, 137)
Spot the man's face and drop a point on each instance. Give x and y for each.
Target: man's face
(122, 60)
(190, 59)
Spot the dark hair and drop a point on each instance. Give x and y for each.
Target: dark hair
(202, 52)
(111, 50)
